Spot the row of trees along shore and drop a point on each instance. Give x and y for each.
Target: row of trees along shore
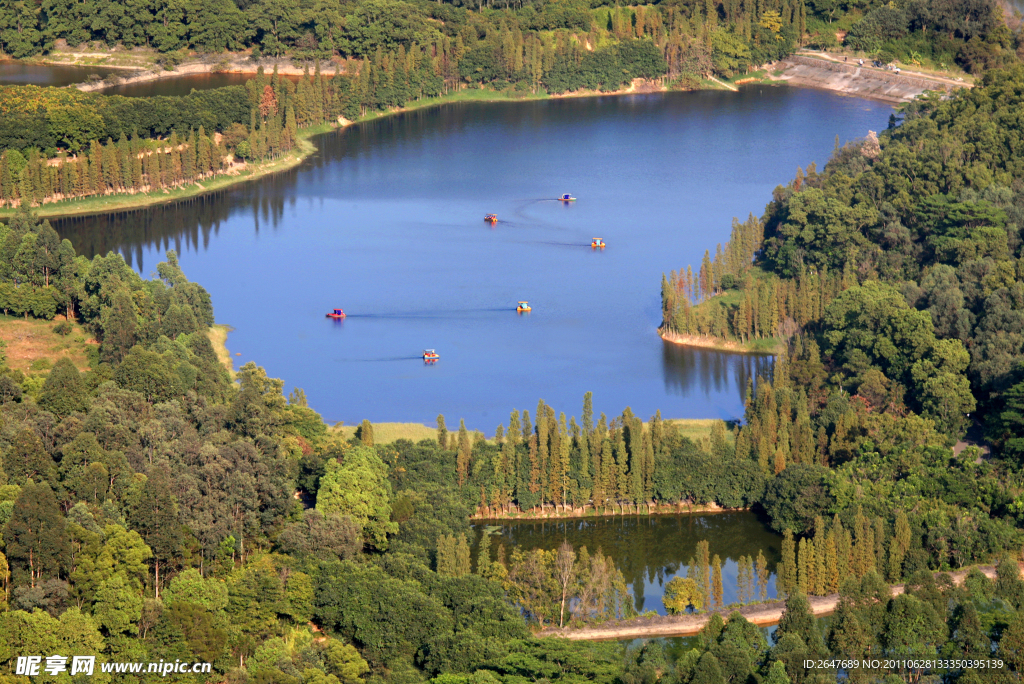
(269, 105)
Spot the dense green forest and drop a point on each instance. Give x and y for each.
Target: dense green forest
(557, 44)
(152, 509)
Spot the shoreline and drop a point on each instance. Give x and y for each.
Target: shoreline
(762, 614)
(105, 204)
(821, 71)
(823, 77)
(720, 344)
(554, 514)
(125, 202)
(218, 334)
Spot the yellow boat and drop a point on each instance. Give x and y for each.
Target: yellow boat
(524, 307)
(597, 243)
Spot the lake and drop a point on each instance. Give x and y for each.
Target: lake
(20, 73)
(650, 550)
(386, 221)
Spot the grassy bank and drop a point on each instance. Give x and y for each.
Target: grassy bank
(768, 345)
(385, 433)
(32, 345)
(218, 334)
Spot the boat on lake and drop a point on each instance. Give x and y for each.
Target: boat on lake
(524, 307)
(597, 243)
(337, 313)
(430, 356)
(567, 198)
(491, 218)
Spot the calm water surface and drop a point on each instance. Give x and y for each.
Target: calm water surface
(386, 222)
(19, 73)
(651, 550)
(179, 85)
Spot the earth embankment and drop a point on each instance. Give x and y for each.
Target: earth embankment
(861, 81)
(763, 614)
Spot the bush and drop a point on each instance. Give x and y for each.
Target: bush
(64, 328)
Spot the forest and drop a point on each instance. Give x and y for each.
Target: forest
(556, 45)
(153, 507)
(156, 506)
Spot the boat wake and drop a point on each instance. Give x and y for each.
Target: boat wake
(384, 359)
(430, 315)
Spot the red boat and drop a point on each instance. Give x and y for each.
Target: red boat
(338, 313)
(430, 356)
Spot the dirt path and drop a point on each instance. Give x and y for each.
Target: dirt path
(724, 85)
(762, 614)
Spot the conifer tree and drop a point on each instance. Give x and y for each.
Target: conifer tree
(900, 546)
(366, 433)
(446, 558)
(879, 550)
(465, 453)
(802, 557)
(787, 572)
(483, 555)
(562, 481)
(442, 431)
(462, 558)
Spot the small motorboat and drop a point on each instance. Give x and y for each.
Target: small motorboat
(337, 313)
(491, 218)
(524, 307)
(597, 243)
(430, 356)
(567, 198)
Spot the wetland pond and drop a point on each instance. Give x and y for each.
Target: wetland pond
(24, 73)
(386, 221)
(649, 550)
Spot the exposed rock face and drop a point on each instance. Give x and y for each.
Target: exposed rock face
(871, 149)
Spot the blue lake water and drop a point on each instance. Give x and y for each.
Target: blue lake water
(386, 221)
